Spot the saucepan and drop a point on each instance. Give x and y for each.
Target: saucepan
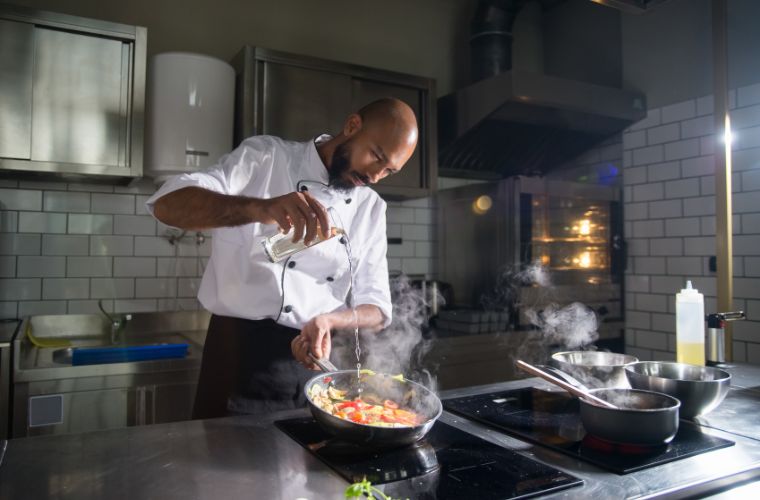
(375, 387)
(595, 368)
(642, 417)
(699, 388)
(626, 416)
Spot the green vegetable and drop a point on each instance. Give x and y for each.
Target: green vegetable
(367, 371)
(365, 489)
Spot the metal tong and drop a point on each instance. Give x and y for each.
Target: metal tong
(324, 364)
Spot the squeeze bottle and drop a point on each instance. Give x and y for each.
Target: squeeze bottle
(690, 326)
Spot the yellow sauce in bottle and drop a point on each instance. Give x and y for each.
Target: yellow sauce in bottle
(692, 353)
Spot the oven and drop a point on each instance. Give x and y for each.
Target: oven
(525, 242)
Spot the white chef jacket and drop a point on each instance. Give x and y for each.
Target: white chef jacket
(240, 281)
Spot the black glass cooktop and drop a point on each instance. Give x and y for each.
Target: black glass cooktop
(446, 463)
(552, 419)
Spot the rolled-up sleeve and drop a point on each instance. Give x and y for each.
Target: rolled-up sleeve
(371, 285)
(230, 175)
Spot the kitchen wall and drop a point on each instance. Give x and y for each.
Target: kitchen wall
(424, 37)
(65, 246)
(668, 171)
(670, 219)
(667, 53)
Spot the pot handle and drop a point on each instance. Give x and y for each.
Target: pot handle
(324, 364)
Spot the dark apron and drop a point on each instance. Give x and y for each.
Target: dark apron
(248, 368)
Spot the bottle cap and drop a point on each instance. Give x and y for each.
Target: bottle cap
(689, 290)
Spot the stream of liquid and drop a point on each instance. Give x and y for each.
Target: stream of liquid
(358, 349)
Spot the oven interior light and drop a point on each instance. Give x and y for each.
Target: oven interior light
(584, 227)
(584, 260)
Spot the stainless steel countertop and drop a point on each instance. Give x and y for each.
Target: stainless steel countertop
(247, 457)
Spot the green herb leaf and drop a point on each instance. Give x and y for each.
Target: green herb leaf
(359, 489)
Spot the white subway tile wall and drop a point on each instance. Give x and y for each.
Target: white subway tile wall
(670, 220)
(65, 246)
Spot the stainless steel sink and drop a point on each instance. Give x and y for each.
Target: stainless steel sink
(60, 334)
(53, 396)
(65, 355)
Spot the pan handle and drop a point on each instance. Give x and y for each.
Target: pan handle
(562, 375)
(324, 364)
(561, 383)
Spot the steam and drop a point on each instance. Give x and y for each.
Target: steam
(572, 326)
(509, 281)
(400, 347)
(556, 324)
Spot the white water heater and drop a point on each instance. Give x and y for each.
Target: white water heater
(189, 113)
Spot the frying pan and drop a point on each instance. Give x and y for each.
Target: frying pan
(640, 417)
(376, 387)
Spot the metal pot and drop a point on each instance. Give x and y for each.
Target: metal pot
(406, 393)
(595, 369)
(643, 417)
(699, 388)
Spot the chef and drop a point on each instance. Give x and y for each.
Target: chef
(267, 317)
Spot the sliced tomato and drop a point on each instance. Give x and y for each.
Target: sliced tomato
(388, 403)
(350, 404)
(327, 380)
(358, 417)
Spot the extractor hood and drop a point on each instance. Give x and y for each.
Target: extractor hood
(526, 124)
(518, 123)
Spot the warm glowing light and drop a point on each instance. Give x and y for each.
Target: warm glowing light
(584, 227)
(584, 259)
(482, 204)
(544, 260)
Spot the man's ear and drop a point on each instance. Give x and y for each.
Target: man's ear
(353, 125)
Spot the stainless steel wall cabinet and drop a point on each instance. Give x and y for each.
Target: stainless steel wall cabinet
(297, 97)
(72, 93)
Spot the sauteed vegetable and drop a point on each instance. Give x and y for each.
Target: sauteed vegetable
(367, 410)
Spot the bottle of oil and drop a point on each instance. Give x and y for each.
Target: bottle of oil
(690, 326)
(280, 245)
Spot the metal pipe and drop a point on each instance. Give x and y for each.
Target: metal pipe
(723, 222)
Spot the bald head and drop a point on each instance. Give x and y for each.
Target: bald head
(375, 142)
(393, 116)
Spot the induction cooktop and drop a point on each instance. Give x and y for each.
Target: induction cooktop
(552, 419)
(446, 464)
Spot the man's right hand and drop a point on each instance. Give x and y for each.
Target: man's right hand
(298, 210)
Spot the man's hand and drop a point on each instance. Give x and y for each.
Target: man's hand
(298, 210)
(314, 338)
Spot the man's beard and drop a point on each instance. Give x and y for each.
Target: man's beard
(340, 168)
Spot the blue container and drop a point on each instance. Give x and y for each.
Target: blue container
(101, 355)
